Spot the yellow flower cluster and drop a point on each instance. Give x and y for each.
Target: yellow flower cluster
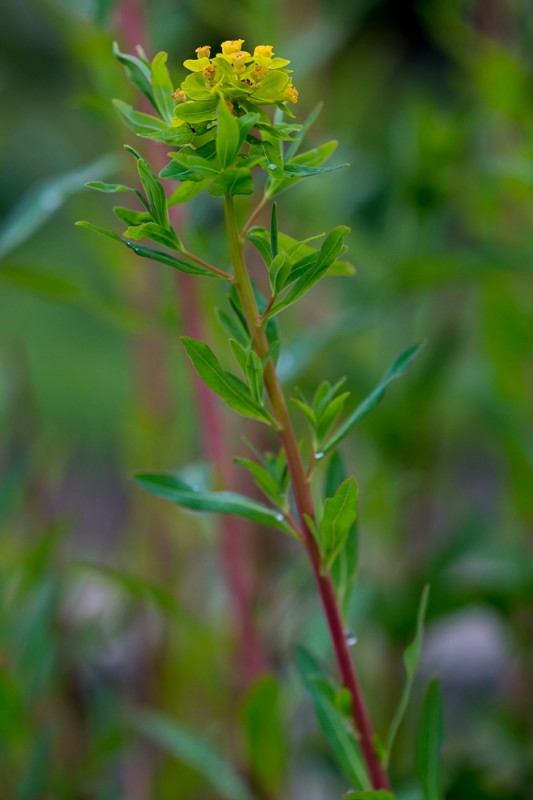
(241, 77)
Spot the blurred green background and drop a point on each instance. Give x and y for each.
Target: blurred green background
(114, 603)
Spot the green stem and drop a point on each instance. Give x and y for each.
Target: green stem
(304, 502)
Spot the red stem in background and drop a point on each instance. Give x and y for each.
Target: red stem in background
(234, 542)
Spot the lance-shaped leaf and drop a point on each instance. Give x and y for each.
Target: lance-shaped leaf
(189, 166)
(138, 72)
(177, 491)
(155, 232)
(233, 391)
(333, 723)
(344, 570)
(396, 370)
(162, 87)
(254, 376)
(411, 657)
(187, 191)
(155, 194)
(429, 743)
(311, 159)
(149, 252)
(340, 513)
(332, 247)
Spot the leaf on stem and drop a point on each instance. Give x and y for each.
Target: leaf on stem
(344, 569)
(149, 252)
(233, 181)
(232, 390)
(162, 87)
(396, 370)
(177, 491)
(340, 513)
(228, 135)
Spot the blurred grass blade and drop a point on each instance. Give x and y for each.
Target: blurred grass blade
(396, 370)
(429, 743)
(41, 201)
(411, 658)
(377, 794)
(266, 735)
(184, 745)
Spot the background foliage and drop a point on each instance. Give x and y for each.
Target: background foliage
(114, 604)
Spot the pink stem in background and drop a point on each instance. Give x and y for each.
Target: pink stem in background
(234, 542)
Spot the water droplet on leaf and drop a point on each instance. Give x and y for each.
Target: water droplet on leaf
(350, 637)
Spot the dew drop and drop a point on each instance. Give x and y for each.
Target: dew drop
(319, 455)
(350, 637)
(280, 517)
(271, 166)
(195, 488)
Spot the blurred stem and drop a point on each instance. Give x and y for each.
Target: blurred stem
(304, 502)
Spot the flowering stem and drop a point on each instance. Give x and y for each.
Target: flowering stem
(304, 502)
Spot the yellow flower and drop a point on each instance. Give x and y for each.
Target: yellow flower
(292, 94)
(264, 51)
(179, 96)
(203, 52)
(239, 59)
(231, 46)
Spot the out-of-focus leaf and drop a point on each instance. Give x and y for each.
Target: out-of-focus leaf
(267, 743)
(375, 794)
(429, 742)
(396, 370)
(189, 749)
(37, 206)
(136, 586)
(411, 658)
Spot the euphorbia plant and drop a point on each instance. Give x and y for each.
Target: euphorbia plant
(224, 140)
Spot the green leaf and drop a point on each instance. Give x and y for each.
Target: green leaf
(332, 246)
(301, 171)
(162, 87)
(194, 111)
(429, 743)
(188, 166)
(155, 232)
(187, 191)
(157, 199)
(246, 123)
(344, 569)
(396, 370)
(254, 376)
(310, 159)
(279, 272)
(100, 186)
(375, 794)
(148, 252)
(171, 488)
(240, 354)
(340, 738)
(231, 182)
(274, 250)
(138, 72)
(132, 218)
(228, 136)
(411, 658)
(267, 745)
(264, 479)
(182, 744)
(329, 416)
(310, 120)
(340, 513)
(142, 124)
(227, 386)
